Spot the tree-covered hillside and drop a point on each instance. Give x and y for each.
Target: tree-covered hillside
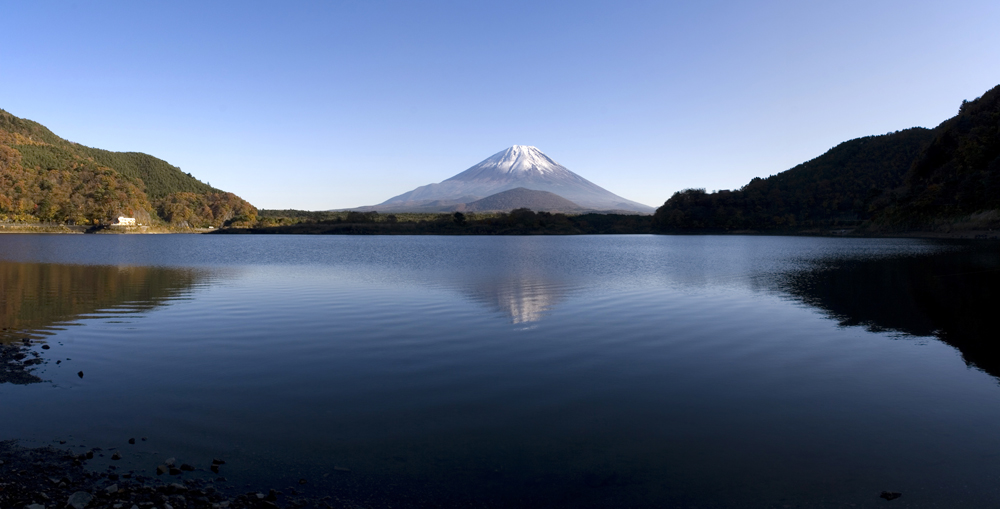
(959, 172)
(46, 178)
(916, 178)
(843, 186)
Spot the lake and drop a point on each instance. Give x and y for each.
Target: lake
(582, 371)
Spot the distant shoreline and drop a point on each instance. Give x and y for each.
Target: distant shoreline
(63, 229)
(363, 229)
(386, 230)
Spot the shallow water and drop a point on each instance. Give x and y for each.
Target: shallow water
(624, 371)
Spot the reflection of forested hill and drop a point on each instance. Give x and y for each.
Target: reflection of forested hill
(38, 296)
(952, 295)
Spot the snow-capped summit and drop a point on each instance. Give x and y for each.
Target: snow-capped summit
(520, 159)
(518, 166)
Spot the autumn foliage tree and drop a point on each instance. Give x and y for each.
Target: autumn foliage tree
(203, 210)
(45, 178)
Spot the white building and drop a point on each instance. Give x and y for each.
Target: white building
(125, 221)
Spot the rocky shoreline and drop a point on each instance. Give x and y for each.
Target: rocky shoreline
(17, 362)
(49, 477)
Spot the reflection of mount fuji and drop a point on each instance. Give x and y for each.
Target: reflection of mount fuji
(38, 298)
(525, 298)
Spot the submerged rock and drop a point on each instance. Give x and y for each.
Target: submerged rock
(16, 365)
(79, 500)
(890, 495)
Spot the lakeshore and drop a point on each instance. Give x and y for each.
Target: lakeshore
(53, 476)
(367, 229)
(106, 230)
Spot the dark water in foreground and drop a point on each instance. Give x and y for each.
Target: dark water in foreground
(632, 371)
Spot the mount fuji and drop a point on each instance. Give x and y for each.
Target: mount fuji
(517, 166)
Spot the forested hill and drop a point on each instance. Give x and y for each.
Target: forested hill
(958, 174)
(905, 179)
(842, 186)
(46, 178)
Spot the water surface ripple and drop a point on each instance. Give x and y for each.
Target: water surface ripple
(604, 371)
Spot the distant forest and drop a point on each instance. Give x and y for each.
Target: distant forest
(516, 222)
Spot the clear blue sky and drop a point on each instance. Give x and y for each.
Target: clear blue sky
(319, 105)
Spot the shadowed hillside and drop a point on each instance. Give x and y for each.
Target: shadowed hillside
(913, 179)
(839, 187)
(958, 173)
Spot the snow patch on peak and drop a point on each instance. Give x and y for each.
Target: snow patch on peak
(521, 159)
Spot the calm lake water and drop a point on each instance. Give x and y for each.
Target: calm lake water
(586, 371)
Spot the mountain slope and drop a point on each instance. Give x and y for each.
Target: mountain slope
(959, 171)
(846, 185)
(917, 178)
(517, 166)
(521, 198)
(46, 178)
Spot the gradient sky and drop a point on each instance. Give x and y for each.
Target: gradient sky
(320, 105)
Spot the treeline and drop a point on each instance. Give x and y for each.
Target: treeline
(516, 222)
(44, 178)
(905, 179)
